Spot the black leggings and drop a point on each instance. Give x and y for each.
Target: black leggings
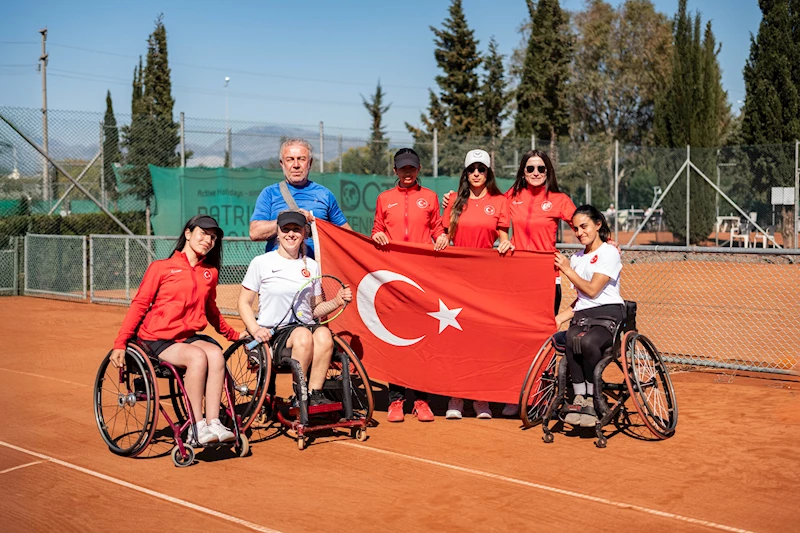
(593, 343)
(558, 299)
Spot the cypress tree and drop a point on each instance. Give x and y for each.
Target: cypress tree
(378, 143)
(494, 98)
(691, 111)
(111, 153)
(542, 100)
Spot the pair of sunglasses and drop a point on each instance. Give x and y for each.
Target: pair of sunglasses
(541, 168)
(481, 169)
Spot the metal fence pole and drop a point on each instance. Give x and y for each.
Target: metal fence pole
(796, 235)
(183, 141)
(340, 153)
(25, 276)
(16, 265)
(229, 147)
(688, 173)
(533, 141)
(616, 189)
(321, 147)
(91, 269)
(128, 269)
(102, 169)
(435, 153)
(83, 250)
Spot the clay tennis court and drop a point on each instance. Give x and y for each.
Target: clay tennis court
(731, 466)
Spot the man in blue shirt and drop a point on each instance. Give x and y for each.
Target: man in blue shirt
(296, 158)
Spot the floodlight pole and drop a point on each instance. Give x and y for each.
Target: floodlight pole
(688, 187)
(45, 143)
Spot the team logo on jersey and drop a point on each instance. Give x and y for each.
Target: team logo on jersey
(207, 275)
(489, 210)
(305, 273)
(517, 202)
(547, 205)
(422, 203)
(593, 260)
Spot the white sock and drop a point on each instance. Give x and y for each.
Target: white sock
(579, 388)
(589, 388)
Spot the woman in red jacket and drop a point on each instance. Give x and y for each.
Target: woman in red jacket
(408, 213)
(476, 217)
(176, 300)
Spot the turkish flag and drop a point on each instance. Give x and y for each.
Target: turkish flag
(462, 322)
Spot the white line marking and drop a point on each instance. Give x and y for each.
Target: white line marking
(547, 488)
(177, 501)
(46, 377)
(20, 466)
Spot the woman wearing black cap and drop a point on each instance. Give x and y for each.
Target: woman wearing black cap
(176, 299)
(276, 277)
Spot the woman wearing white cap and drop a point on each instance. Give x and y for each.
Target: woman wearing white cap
(476, 218)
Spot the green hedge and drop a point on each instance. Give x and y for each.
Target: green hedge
(80, 224)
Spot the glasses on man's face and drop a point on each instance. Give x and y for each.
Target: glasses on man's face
(481, 168)
(541, 168)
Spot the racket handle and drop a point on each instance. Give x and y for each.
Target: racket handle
(255, 342)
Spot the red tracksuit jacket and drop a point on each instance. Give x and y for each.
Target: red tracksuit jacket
(408, 214)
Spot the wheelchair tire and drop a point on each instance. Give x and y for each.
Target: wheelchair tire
(539, 386)
(649, 384)
(126, 402)
(360, 385)
(247, 373)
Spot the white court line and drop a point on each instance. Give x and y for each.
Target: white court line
(177, 501)
(7, 470)
(46, 377)
(547, 488)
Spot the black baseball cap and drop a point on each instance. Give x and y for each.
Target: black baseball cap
(291, 217)
(406, 157)
(207, 222)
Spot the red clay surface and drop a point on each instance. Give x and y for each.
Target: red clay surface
(732, 463)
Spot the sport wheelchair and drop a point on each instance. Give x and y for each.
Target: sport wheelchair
(127, 404)
(254, 371)
(631, 368)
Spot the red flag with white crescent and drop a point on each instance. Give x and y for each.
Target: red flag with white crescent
(462, 322)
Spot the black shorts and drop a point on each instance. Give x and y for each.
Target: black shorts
(277, 344)
(156, 347)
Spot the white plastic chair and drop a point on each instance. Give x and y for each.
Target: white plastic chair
(740, 232)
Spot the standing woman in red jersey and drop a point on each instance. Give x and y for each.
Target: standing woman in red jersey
(176, 300)
(408, 213)
(476, 217)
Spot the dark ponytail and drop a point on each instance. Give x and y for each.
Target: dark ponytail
(597, 217)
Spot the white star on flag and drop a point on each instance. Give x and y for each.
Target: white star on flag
(447, 317)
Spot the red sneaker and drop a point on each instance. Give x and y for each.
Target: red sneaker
(423, 411)
(395, 411)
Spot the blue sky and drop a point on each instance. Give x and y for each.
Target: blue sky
(289, 62)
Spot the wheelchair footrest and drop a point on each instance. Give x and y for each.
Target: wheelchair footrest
(318, 409)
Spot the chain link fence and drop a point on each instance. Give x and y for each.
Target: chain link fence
(55, 266)
(9, 267)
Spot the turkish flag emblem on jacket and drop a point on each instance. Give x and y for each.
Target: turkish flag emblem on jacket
(461, 322)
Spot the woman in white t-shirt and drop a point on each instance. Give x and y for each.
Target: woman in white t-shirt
(595, 274)
(276, 277)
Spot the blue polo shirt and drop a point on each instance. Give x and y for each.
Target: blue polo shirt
(311, 197)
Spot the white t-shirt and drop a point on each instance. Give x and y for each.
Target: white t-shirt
(604, 260)
(277, 280)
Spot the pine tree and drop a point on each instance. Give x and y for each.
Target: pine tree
(541, 97)
(692, 111)
(494, 98)
(436, 119)
(111, 153)
(152, 137)
(378, 143)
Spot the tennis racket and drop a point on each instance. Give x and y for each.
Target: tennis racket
(318, 301)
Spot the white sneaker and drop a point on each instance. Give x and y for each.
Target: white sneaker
(221, 432)
(454, 408)
(482, 410)
(511, 409)
(204, 434)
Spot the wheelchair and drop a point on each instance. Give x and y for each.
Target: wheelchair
(254, 371)
(630, 369)
(127, 404)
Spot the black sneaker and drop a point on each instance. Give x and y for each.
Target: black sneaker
(316, 397)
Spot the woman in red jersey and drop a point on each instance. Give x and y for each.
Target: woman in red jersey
(408, 213)
(476, 217)
(176, 300)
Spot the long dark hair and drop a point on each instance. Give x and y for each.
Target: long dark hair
(214, 256)
(463, 195)
(597, 217)
(551, 183)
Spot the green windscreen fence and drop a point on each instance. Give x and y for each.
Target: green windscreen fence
(229, 195)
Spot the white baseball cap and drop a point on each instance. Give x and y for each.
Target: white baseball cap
(477, 156)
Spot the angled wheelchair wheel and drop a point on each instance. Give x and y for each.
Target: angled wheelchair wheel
(126, 402)
(649, 384)
(360, 387)
(247, 374)
(539, 387)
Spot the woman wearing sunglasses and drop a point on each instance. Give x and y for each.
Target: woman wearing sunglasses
(476, 217)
